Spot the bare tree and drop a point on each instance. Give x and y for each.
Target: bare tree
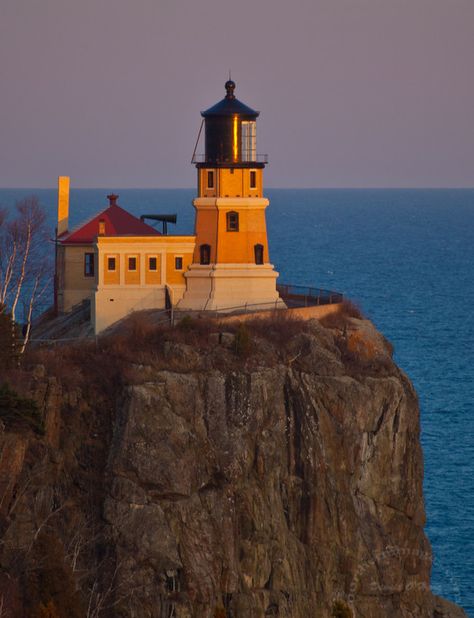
(24, 270)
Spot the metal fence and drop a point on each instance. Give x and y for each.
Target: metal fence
(293, 296)
(302, 296)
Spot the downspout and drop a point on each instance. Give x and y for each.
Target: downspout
(55, 283)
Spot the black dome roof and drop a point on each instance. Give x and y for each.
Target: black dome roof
(230, 106)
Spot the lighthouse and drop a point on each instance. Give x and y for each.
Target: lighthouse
(231, 266)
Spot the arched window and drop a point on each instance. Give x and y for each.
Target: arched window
(205, 254)
(232, 221)
(258, 249)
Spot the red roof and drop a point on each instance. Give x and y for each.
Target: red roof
(118, 222)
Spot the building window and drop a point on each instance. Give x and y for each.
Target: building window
(253, 179)
(132, 263)
(178, 263)
(210, 179)
(258, 249)
(232, 221)
(88, 264)
(205, 254)
(111, 265)
(152, 263)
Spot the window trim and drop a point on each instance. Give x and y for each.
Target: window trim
(232, 227)
(150, 269)
(89, 272)
(114, 258)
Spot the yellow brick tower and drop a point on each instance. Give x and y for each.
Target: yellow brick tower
(231, 266)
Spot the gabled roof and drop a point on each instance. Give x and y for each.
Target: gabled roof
(118, 222)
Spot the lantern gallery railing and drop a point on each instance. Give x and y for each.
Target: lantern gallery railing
(301, 296)
(259, 158)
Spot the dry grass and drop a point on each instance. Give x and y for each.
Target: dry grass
(347, 310)
(105, 365)
(140, 348)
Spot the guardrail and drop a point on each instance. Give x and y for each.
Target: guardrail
(302, 296)
(201, 158)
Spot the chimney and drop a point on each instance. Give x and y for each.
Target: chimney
(101, 227)
(63, 204)
(113, 199)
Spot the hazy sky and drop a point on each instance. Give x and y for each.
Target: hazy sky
(352, 93)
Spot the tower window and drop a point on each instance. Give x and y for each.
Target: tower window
(132, 263)
(232, 221)
(253, 179)
(205, 254)
(152, 264)
(111, 264)
(178, 263)
(210, 179)
(258, 249)
(249, 140)
(89, 265)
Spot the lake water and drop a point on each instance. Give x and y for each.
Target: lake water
(407, 257)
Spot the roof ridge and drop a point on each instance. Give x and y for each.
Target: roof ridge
(111, 213)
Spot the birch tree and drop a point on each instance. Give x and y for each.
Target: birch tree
(24, 266)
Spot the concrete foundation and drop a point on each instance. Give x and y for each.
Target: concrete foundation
(228, 287)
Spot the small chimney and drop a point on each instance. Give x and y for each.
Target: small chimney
(63, 204)
(101, 227)
(113, 199)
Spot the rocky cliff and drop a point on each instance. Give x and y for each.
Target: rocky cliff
(271, 469)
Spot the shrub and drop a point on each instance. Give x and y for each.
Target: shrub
(49, 586)
(17, 411)
(242, 340)
(8, 340)
(48, 611)
(279, 328)
(187, 323)
(341, 610)
(346, 310)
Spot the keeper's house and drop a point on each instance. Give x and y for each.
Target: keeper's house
(118, 262)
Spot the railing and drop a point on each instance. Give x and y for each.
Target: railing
(201, 158)
(302, 296)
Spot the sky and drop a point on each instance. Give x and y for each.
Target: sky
(352, 93)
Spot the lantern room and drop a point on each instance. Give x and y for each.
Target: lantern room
(230, 134)
(230, 165)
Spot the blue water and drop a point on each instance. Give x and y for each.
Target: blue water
(407, 257)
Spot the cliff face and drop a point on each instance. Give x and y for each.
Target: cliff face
(284, 483)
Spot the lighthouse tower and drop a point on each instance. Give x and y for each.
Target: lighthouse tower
(231, 266)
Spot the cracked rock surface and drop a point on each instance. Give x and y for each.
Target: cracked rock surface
(283, 491)
(280, 482)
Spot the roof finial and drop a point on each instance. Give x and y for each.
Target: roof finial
(230, 87)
